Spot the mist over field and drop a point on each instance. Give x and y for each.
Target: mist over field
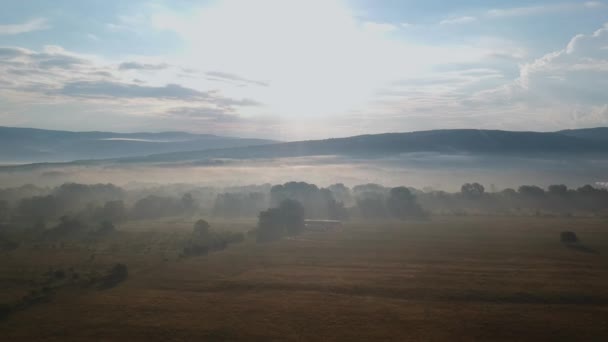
(420, 170)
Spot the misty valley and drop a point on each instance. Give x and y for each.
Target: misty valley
(303, 170)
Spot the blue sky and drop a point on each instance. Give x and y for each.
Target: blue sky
(303, 69)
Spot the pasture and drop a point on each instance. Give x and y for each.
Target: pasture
(448, 278)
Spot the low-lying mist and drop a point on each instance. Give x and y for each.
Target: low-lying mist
(420, 170)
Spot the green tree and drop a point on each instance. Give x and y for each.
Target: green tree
(286, 219)
(201, 228)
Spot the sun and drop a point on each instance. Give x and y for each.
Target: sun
(316, 56)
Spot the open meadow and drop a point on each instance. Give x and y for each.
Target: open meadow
(448, 278)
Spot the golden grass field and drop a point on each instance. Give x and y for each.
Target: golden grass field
(446, 279)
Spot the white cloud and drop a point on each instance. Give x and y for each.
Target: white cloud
(594, 4)
(72, 87)
(31, 25)
(583, 53)
(458, 20)
(142, 66)
(566, 88)
(546, 8)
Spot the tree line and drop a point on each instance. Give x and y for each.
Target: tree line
(106, 202)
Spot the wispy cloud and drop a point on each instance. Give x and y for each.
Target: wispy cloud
(458, 20)
(142, 66)
(538, 9)
(204, 113)
(594, 4)
(31, 25)
(224, 76)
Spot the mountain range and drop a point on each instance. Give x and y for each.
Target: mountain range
(30, 145)
(175, 147)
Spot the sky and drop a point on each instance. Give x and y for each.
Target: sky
(303, 69)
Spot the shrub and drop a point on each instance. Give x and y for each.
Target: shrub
(287, 219)
(117, 274)
(568, 237)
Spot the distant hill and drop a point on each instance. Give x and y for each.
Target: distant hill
(29, 145)
(599, 133)
(457, 141)
(494, 143)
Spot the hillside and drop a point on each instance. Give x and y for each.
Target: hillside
(29, 145)
(470, 141)
(598, 133)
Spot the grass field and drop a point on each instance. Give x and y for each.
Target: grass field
(455, 279)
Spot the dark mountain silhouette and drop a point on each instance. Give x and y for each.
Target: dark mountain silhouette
(599, 133)
(494, 143)
(27, 145)
(441, 141)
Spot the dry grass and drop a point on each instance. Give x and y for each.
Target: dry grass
(453, 279)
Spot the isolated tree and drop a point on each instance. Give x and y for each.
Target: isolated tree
(201, 228)
(292, 216)
(270, 226)
(286, 219)
(472, 190)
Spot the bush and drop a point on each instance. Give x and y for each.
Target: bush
(215, 241)
(117, 274)
(568, 237)
(287, 219)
